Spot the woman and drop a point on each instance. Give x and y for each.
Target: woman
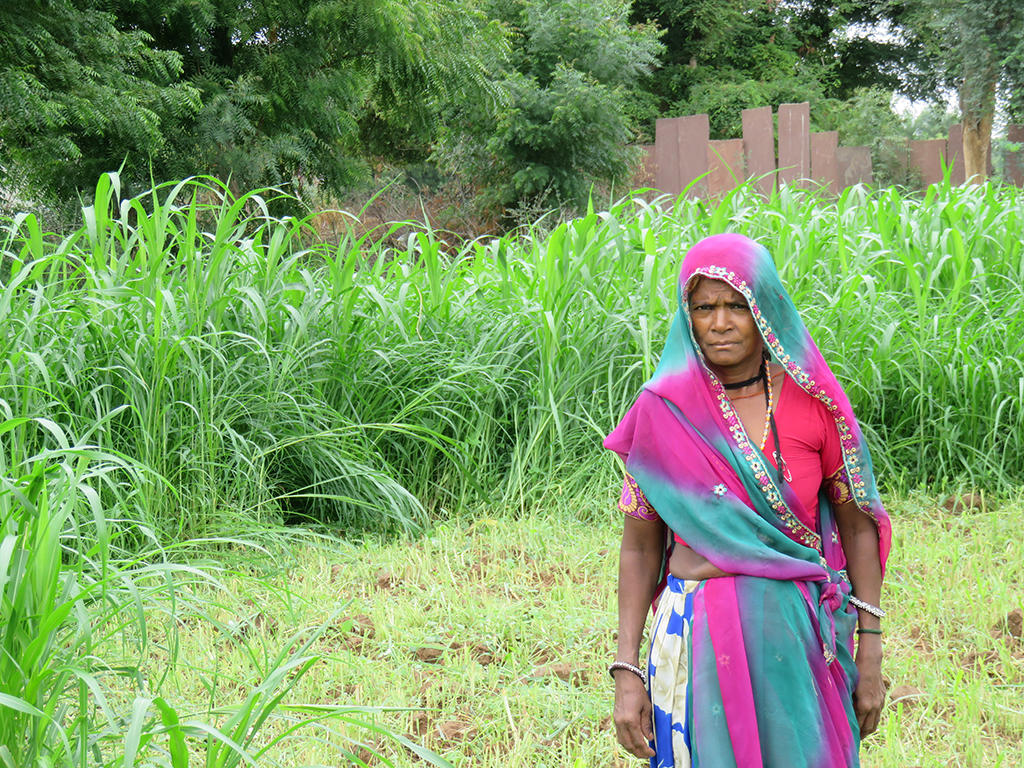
(742, 452)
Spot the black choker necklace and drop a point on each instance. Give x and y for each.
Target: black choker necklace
(747, 383)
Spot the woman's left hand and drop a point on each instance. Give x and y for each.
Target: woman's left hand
(870, 693)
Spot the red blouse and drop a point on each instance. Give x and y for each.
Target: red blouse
(811, 455)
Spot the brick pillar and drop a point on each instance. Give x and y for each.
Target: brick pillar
(693, 153)
(666, 155)
(925, 160)
(759, 148)
(824, 167)
(794, 142)
(854, 165)
(725, 166)
(955, 154)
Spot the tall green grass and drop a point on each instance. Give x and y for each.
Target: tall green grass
(258, 373)
(134, 411)
(187, 365)
(90, 641)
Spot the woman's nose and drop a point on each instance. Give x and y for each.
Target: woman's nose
(719, 319)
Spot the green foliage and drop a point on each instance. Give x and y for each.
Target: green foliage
(867, 119)
(974, 46)
(723, 56)
(90, 608)
(310, 89)
(213, 350)
(300, 90)
(569, 97)
(78, 94)
(366, 386)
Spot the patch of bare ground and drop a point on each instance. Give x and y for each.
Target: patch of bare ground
(386, 214)
(1007, 632)
(429, 654)
(445, 733)
(385, 578)
(965, 502)
(918, 640)
(1011, 627)
(560, 574)
(478, 571)
(575, 675)
(543, 655)
(451, 733)
(480, 652)
(908, 695)
(419, 724)
(337, 691)
(368, 753)
(982, 661)
(350, 632)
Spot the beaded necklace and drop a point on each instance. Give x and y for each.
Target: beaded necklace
(767, 411)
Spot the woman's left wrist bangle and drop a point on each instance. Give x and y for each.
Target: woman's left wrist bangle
(874, 610)
(626, 665)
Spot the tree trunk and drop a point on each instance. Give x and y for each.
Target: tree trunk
(978, 109)
(977, 146)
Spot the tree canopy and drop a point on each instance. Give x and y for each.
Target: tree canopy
(78, 93)
(531, 99)
(722, 56)
(315, 87)
(568, 110)
(975, 49)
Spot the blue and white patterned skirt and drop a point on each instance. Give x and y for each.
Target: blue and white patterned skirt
(668, 674)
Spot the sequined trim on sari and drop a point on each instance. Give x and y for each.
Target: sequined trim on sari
(853, 456)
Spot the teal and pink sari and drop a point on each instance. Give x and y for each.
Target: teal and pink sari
(755, 669)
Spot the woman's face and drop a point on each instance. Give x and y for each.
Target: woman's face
(724, 328)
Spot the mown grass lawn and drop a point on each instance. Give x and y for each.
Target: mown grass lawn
(490, 638)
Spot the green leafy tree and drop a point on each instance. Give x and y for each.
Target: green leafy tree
(723, 56)
(570, 105)
(78, 95)
(977, 50)
(867, 118)
(316, 88)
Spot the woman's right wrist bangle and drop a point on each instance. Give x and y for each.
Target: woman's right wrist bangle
(868, 631)
(626, 665)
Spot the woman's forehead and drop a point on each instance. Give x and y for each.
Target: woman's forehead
(709, 289)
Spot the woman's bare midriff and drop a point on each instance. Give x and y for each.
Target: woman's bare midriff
(688, 565)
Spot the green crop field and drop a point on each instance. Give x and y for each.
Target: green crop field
(186, 372)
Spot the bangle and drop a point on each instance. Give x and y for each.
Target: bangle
(866, 631)
(626, 665)
(874, 610)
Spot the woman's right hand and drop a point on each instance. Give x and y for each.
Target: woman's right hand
(632, 714)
